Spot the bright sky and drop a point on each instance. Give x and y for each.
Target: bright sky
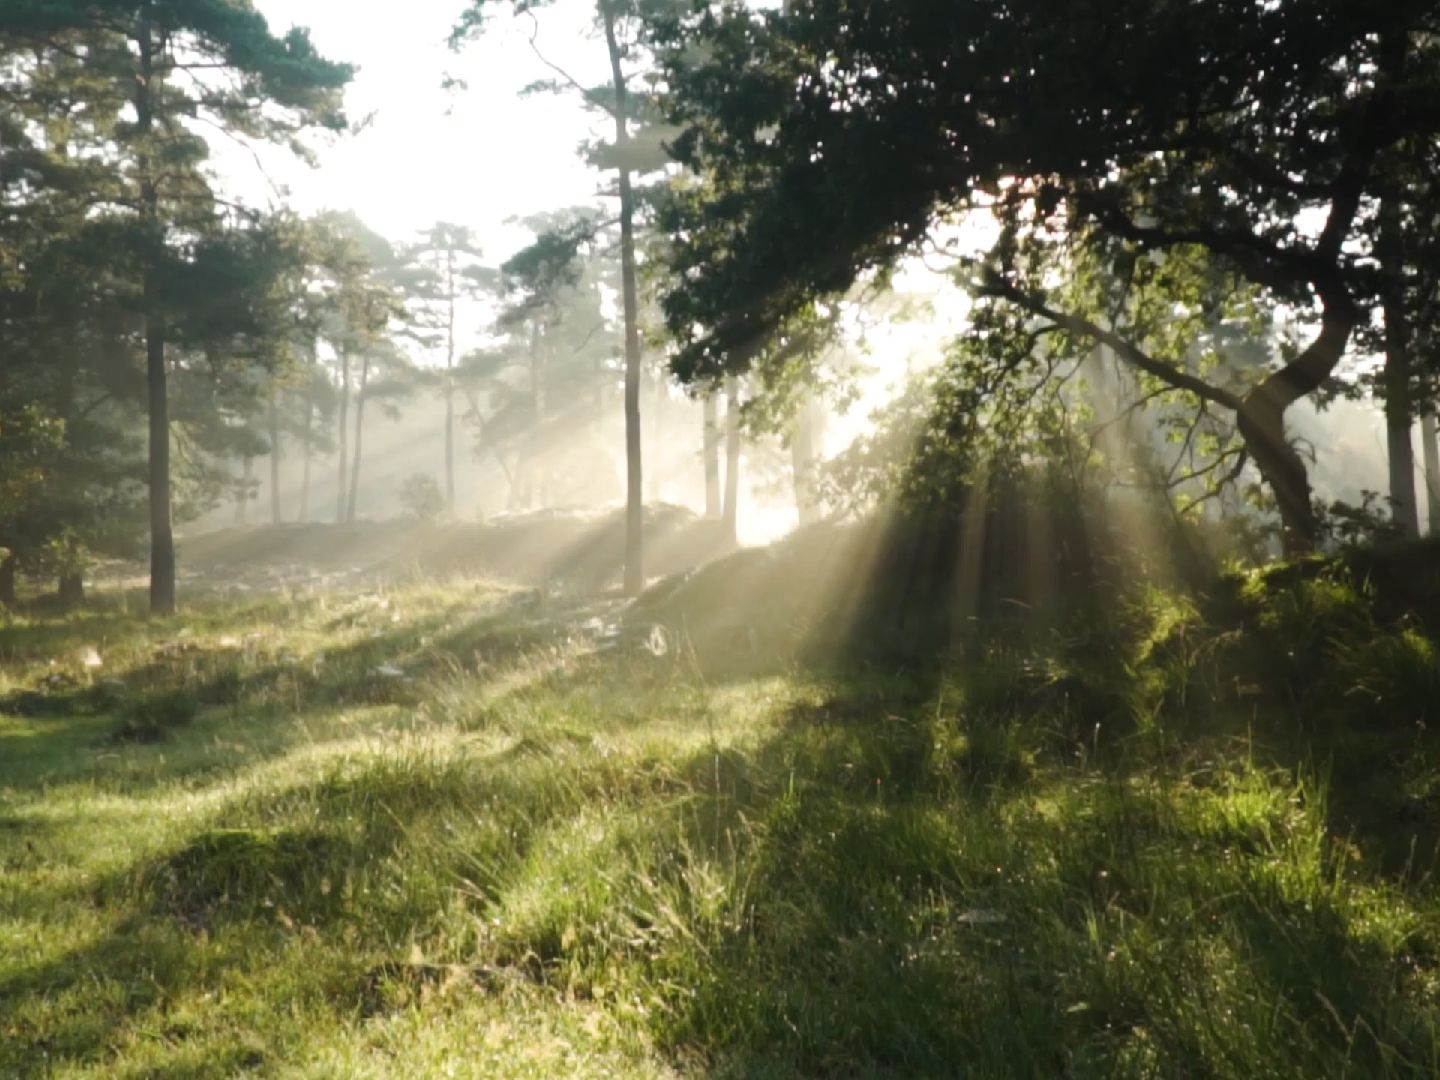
(474, 157)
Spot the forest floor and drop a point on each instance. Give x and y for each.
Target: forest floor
(459, 829)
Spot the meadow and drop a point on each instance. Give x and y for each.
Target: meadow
(457, 828)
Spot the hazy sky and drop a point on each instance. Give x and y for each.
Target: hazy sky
(475, 157)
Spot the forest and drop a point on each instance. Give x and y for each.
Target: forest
(727, 538)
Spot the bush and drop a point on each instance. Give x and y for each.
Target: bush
(152, 719)
(422, 499)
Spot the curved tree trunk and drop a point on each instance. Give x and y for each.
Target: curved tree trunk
(1284, 472)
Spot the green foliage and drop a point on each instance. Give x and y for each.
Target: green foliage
(1152, 212)
(422, 499)
(113, 238)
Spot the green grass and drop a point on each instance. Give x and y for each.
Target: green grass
(436, 830)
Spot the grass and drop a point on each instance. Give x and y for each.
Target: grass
(441, 830)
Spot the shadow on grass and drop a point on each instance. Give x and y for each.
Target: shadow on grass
(891, 876)
(243, 696)
(901, 907)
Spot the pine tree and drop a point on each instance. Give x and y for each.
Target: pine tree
(151, 55)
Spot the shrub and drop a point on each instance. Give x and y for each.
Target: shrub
(421, 498)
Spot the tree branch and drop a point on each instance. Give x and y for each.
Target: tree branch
(1175, 377)
(592, 96)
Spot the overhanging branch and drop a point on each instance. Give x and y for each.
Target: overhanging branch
(1172, 376)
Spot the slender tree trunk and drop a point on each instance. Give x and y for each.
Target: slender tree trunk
(1399, 414)
(274, 419)
(359, 438)
(72, 588)
(732, 460)
(242, 496)
(8, 565)
(162, 535)
(450, 382)
(634, 478)
(1431, 449)
(304, 514)
(712, 456)
(343, 434)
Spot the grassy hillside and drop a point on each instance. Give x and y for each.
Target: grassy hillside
(457, 830)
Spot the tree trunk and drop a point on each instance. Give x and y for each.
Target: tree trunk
(802, 462)
(72, 588)
(242, 497)
(304, 514)
(8, 564)
(343, 435)
(634, 479)
(1399, 414)
(712, 456)
(1283, 470)
(162, 535)
(359, 439)
(1430, 447)
(732, 461)
(274, 418)
(450, 383)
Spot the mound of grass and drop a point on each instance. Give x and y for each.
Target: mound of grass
(155, 717)
(234, 871)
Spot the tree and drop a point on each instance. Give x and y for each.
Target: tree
(540, 393)
(833, 139)
(178, 65)
(446, 272)
(421, 498)
(621, 25)
(386, 375)
(354, 304)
